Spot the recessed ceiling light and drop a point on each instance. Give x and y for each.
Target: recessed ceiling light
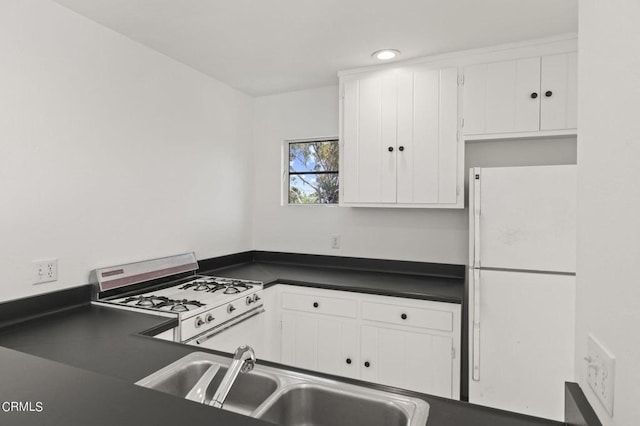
(386, 54)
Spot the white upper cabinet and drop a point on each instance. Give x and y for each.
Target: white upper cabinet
(537, 94)
(399, 138)
(369, 138)
(502, 97)
(427, 162)
(559, 92)
(403, 127)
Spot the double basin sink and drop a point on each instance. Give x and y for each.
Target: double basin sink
(290, 398)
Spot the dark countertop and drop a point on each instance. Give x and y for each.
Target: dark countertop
(72, 396)
(441, 289)
(88, 357)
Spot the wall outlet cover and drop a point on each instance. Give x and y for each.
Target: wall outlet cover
(600, 372)
(45, 271)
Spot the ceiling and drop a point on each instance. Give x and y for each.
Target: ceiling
(270, 46)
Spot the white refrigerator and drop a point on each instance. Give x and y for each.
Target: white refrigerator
(522, 287)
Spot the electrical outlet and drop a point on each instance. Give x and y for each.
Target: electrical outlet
(335, 241)
(600, 372)
(45, 271)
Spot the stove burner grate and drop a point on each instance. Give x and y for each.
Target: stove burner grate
(146, 301)
(180, 305)
(212, 286)
(199, 285)
(232, 288)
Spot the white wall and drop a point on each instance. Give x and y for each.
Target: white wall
(111, 152)
(403, 234)
(608, 289)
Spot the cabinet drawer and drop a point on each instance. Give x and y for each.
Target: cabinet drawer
(410, 316)
(320, 304)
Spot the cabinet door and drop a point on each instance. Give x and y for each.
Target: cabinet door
(498, 97)
(427, 158)
(410, 360)
(325, 345)
(559, 89)
(369, 139)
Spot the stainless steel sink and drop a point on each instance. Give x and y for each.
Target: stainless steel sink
(289, 398)
(248, 392)
(309, 404)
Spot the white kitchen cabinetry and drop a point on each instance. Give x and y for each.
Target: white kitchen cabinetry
(559, 92)
(321, 344)
(521, 96)
(399, 138)
(407, 343)
(407, 359)
(315, 334)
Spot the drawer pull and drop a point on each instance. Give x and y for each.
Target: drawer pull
(348, 360)
(315, 304)
(403, 316)
(367, 364)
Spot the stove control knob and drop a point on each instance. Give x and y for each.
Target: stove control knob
(249, 300)
(209, 318)
(256, 297)
(199, 322)
(230, 308)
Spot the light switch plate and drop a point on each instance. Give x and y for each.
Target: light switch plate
(600, 372)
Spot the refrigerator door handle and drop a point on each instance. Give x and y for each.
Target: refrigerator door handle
(476, 327)
(476, 218)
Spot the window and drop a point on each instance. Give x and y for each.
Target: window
(313, 172)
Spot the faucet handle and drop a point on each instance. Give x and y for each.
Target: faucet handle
(245, 353)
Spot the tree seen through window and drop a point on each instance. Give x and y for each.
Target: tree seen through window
(313, 172)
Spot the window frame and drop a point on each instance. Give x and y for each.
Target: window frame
(286, 175)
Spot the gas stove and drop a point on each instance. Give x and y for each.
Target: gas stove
(201, 303)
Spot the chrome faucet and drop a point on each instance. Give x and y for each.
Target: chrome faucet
(244, 359)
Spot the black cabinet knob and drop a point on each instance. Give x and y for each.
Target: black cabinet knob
(367, 364)
(534, 95)
(401, 148)
(548, 93)
(403, 316)
(348, 360)
(390, 149)
(315, 304)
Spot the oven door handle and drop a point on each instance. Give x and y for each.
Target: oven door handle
(223, 327)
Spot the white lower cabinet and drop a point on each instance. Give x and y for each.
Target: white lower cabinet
(406, 359)
(320, 344)
(406, 343)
